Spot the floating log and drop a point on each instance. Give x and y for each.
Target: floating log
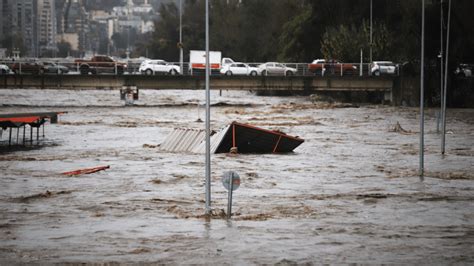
(86, 170)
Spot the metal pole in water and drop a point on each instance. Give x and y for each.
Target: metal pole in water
(422, 96)
(181, 37)
(443, 120)
(440, 113)
(229, 200)
(208, 118)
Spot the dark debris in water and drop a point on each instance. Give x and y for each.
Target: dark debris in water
(47, 194)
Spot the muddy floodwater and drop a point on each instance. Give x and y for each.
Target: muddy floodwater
(349, 194)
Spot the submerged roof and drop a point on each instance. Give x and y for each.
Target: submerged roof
(20, 119)
(246, 138)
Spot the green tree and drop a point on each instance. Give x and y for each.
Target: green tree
(344, 43)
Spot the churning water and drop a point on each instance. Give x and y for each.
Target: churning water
(349, 194)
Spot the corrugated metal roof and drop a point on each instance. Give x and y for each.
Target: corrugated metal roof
(248, 139)
(183, 140)
(216, 140)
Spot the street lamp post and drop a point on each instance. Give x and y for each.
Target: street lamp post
(422, 96)
(180, 36)
(208, 118)
(370, 45)
(441, 66)
(443, 112)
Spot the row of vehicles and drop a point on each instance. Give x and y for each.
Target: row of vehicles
(218, 65)
(95, 65)
(33, 68)
(334, 67)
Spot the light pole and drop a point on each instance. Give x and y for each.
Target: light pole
(208, 119)
(422, 95)
(443, 136)
(370, 45)
(180, 37)
(441, 66)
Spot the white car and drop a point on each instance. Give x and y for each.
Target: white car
(4, 69)
(227, 61)
(273, 68)
(383, 67)
(151, 67)
(239, 68)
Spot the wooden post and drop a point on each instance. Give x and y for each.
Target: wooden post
(233, 135)
(276, 145)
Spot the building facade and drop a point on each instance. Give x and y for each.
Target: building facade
(28, 25)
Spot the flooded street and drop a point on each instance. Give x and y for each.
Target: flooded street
(349, 194)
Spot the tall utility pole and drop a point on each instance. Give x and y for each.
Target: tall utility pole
(370, 46)
(181, 36)
(422, 94)
(443, 137)
(441, 65)
(208, 119)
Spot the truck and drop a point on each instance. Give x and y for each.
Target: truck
(100, 64)
(197, 62)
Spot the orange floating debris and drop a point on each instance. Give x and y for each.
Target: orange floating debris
(86, 170)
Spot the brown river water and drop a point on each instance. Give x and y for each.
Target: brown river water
(349, 194)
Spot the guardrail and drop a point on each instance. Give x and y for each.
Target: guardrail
(69, 67)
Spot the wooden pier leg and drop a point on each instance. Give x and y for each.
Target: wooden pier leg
(233, 135)
(276, 145)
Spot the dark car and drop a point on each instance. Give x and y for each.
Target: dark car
(100, 64)
(36, 68)
(51, 67)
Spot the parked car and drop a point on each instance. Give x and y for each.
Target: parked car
(100, 64)
(27, 67)
(273, 68)
(378, 68)
(464, 70)
(151, 67)
(51, 67)
(226, 61)
(4, 69)
(317, 66)
(334, 67)
(239, 68)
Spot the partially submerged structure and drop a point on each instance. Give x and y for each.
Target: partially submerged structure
(236, 137)
(8, 122)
